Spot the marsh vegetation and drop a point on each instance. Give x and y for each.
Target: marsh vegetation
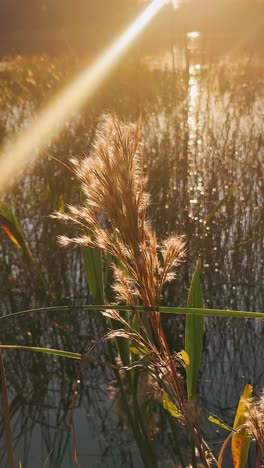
(202, 135)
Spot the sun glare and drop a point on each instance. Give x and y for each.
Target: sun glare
(50, 121)
(193, 34)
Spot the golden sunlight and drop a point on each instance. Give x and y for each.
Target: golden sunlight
(193, 35)
(32, 141)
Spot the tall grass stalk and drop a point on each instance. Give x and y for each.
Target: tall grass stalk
(114, 214)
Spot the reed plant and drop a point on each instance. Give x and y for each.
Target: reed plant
(113, 217)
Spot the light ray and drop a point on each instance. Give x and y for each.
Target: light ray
(32, 141)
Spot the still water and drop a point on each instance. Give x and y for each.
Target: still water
(202, 130)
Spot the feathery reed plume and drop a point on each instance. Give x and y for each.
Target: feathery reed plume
(113, 218)
(114, 212)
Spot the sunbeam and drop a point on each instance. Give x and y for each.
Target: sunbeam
(47, 125)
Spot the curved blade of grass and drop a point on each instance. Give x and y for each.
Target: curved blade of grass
(240, 440)
(239, 436)
(162, 310)
(55, 352)
(211, 312)
(13, 229)
(47, 459)
(222, 450)
(194, 332)
(219, 423)
(221, 202)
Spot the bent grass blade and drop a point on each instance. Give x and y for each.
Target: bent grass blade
(240, 441)
(221, 202)
(239, 437)
(55, 352)
(219, 423)
(13, 229)
(162, 310)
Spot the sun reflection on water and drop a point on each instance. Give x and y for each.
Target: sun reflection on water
(194, 94)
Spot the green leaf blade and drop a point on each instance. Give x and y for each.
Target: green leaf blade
(219, 423)
(163, 310)
(240, 440)
(194, 333)
(221, 202)
(92, 259)
(54, 352)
